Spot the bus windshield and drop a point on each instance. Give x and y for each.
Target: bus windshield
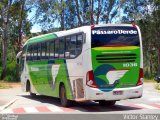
(114, 36)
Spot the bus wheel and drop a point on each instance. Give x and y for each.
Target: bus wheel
(29, 89)
(106, 103)
(63, 98)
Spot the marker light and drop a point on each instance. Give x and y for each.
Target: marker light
(90, 79)
(140, 80)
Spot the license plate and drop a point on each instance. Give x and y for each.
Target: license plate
(117, 92)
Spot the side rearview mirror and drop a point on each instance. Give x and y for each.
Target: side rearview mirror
(18, 57)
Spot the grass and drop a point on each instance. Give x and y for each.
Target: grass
(149, 81)
(6, 85)
(157, 86)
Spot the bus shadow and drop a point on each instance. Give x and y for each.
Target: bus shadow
(82, 106)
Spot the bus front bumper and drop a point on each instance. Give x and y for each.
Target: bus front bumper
(115, 94)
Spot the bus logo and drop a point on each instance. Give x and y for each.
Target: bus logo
(55, 69)
(99, 32)
(130, 65)
(114, 75)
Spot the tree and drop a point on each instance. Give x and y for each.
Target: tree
(67, 14)
(150, 27)
(13, 26)
(134, 10)
(5, 6)
(78, 13)
(19, 26)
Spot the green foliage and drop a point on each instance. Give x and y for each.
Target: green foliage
(18, 26)
(150, 27)
(11, 71)
(74, 13)
(53, 14)
(157, 86)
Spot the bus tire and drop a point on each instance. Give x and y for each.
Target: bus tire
(28, 89)
(63, 98)
(106, 103)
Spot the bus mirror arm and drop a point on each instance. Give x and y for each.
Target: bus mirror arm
(17, 60)
(18, 57)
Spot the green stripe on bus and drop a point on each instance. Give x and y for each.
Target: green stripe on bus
(116, 48)
(42, 38)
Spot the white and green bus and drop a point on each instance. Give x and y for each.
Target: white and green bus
(102, 63)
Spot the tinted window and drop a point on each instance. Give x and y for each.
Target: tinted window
(39, 51)
(61, 47)
(43, 50)
(56, 55)
(114, 36)
(47, 50)
(52, 46)
(29, 53)
(35, 52)
(73, 46)
(79, 44)
(67, 47)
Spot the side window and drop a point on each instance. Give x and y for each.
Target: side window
(61, 47)
(73, 46)
(35, 52)
(22, 59)
(39, 51)
(47, 50)
(56, 48)
(29, 53)
(52, 46)
(79, 44)
(43, 50)
(67, 47)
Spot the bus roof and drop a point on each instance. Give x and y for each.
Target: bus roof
(41, 38)
(54, 35)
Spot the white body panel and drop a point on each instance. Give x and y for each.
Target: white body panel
(96, 94)
(25, 77)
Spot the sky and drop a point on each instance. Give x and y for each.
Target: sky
(35, 28)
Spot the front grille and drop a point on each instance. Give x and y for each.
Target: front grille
(116, 58)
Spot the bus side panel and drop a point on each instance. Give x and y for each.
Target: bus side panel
(38, 75)
(75, 72)
(46, 77)
(58, 73)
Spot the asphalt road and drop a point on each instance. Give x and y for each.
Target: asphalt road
(18, 102)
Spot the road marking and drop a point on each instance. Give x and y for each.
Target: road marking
(31, 110)
(155, 105)
(146, 106)
(7, 105)
(67, 109)
(55, 109)
(135, 106)
(43, 109)
(19, 110)
(9, 111)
